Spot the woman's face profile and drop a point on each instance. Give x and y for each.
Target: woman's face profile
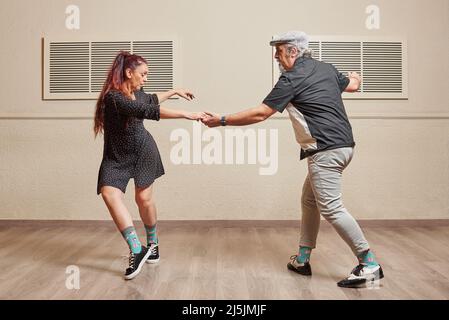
(138, 77)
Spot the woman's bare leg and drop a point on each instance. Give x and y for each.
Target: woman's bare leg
(147, 211)
(113, 198)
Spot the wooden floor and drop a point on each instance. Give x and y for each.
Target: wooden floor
(200, 262)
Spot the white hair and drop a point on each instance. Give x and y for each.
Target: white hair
(303, 51)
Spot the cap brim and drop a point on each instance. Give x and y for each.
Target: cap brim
(275, 42)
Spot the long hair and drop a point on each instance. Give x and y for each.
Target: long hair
(115, 80)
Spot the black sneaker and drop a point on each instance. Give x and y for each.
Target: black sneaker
(362, 277)
(154, 253)
(136, 261)
(301, 268)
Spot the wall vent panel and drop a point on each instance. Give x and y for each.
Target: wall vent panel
(78, 69)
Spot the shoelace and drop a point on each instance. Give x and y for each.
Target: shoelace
(153, 250)
(131, 258)
(293, 257)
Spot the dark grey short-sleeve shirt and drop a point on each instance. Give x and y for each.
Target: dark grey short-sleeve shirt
(311, 93)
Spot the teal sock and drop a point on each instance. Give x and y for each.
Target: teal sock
(151, 234)
(304, 254)
(367, 258)
(132, 239)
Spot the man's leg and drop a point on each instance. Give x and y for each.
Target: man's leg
(310, 224)
(325, 171)
(310, 219)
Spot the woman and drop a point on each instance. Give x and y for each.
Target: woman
(131, 152)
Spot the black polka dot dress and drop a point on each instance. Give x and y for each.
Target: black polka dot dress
(129, 149)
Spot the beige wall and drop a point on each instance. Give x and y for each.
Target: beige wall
(49, 160)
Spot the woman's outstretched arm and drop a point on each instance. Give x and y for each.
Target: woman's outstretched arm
(167, 113)
(186, 94)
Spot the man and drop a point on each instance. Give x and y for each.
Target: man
(311, 90)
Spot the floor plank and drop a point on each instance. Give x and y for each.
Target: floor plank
(212, 262)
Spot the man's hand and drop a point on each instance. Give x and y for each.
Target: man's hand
(211, 119)
(195, 116)
(354, 75)
(354, 82)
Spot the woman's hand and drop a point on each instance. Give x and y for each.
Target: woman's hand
(186, 94)
(211, 119)
(195, 115)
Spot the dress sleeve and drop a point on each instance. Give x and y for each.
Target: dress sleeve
(147, 108)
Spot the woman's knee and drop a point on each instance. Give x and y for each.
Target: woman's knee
(144, 197)
(144, 200)
(110, 194)
(145, 203)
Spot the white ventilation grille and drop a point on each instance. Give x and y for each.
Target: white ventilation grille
(345, 56)
(382, 65)
(69, 67)
(160, 57)
(77, 70)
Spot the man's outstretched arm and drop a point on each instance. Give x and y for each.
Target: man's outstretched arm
(242, 118)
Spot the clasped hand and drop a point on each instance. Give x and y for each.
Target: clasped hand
(210, 119)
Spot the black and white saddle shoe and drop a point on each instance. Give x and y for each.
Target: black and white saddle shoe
(301, 268)
(362, 276)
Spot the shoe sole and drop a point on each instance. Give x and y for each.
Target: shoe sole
(292, 268)
(142, 262)
(152, 261)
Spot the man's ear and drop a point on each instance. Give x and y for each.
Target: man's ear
(294, 52)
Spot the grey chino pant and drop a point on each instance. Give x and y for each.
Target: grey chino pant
(321, 194)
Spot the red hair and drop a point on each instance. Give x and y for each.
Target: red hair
(115, 80)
